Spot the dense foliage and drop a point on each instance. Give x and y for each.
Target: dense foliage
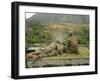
(39, 33)
(40, 28)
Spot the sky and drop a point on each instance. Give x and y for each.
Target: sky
(28, 15)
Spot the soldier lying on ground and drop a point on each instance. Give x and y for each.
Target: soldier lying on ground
(54, 49)
(60, 47)
(49, 50)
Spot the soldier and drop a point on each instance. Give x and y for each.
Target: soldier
(60, 48)
(30, 59)
(73, 43)
(49, 49)
(32, 56)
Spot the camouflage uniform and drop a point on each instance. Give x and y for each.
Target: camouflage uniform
(72, 43)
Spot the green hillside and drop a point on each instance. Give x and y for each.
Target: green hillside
(41, 28)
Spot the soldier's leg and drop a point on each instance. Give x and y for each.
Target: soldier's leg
(76, 50)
